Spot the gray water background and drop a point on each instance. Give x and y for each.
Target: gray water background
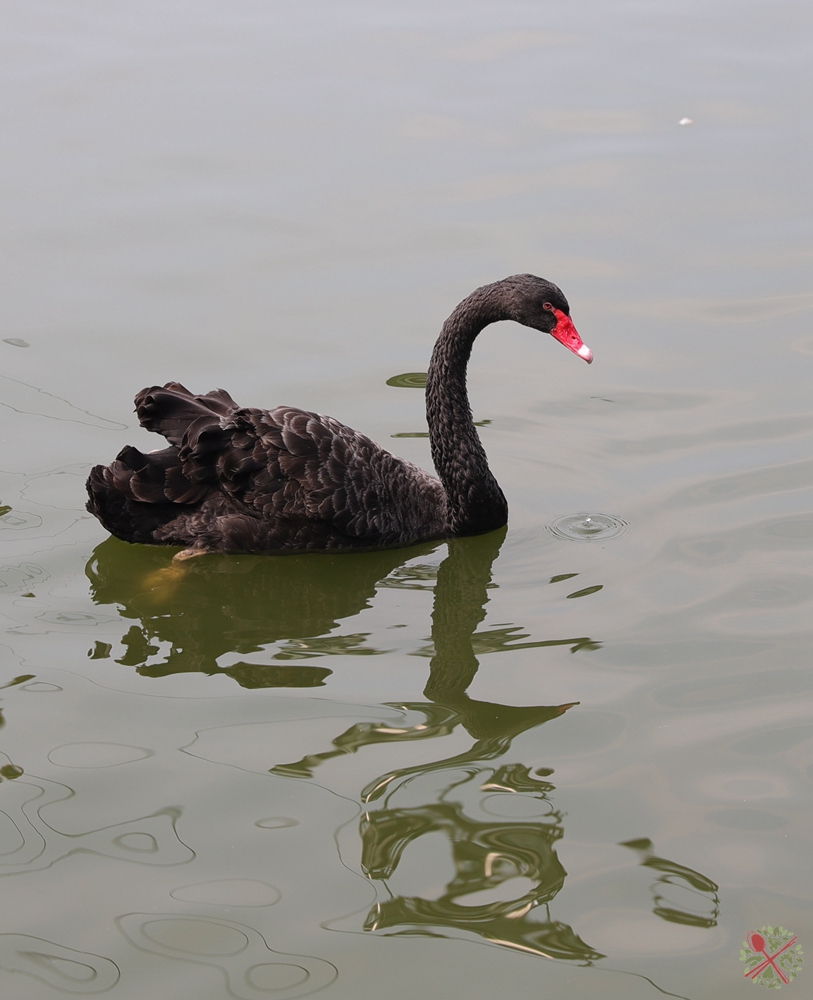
(287, 199)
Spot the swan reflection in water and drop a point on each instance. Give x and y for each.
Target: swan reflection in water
(191, 615)
(498, 818)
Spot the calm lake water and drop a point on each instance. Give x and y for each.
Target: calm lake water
(520, 764)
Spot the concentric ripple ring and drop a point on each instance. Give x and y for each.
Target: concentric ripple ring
(587, 527)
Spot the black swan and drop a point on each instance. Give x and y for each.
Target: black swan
(239, 479)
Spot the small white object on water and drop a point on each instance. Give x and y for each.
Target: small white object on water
(686, 121)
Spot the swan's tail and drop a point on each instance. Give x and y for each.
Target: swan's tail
(138, 494)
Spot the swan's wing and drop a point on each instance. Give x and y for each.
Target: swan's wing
(171, 409)
(291, 463)
(256, 480)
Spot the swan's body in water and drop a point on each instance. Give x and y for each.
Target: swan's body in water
(240, 479)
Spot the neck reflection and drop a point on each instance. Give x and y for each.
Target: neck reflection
(497, 820)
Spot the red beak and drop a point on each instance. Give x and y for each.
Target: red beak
(566, 333)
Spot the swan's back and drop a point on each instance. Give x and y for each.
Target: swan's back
(237, 479)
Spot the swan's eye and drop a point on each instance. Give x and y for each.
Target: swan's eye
(548, 306)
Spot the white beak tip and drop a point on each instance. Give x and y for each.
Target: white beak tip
(585, 352)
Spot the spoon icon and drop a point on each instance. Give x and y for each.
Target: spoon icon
(756, 942)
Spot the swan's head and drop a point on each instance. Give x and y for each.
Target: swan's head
(541, 305)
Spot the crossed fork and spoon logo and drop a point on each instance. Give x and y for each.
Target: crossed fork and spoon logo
(757, 944)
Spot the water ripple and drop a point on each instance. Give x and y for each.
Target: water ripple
(31, 843)
(229, 892)
(24, 398)
(409, 380)
(59, 967)
(238, 951)
(587, 527)
(97, 754)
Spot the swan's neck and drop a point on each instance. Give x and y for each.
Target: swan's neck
(475, 501)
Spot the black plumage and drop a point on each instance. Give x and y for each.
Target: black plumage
(239, 479)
